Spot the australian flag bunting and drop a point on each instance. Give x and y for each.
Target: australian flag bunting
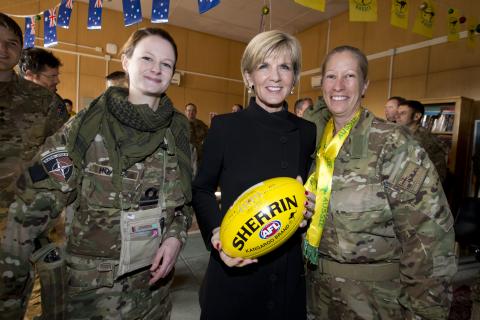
(205, 5)
(95, 14)
(160, 10)
(132, 12)
(29, 38)
(49, 28)
(64, 13)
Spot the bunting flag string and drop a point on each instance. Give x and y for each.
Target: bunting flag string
(160, 11)
(29, 38)
(132, 12)
(94, 14)
(205, 5)
(359, 10)
(399, 14)
(50, 28)
(64, 13)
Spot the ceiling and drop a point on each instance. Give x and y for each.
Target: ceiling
(240, 19)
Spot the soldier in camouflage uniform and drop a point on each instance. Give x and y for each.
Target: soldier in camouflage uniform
(410, 112)
(125, 164)
(387, 247)
(198, 129)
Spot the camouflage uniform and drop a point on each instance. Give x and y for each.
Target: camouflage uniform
(197, 135)
(435, 149)
(28, 114)
(387, 250)
(94, 244)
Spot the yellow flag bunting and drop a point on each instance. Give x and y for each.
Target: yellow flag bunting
(399, 13)
(313, 4)
(453, 27)
(363, 10)
(425, 19)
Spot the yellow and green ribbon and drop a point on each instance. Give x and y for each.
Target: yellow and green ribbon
(320, 182)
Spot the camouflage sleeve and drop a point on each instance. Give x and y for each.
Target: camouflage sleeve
(319, 115)
(57, 114)
(178, 227)
(42, 191)
(423, 225)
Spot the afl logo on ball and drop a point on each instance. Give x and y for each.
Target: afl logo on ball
(270, 229)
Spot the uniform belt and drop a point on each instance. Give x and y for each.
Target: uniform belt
(360, 272)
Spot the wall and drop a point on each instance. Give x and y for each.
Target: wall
(198, 53)
(443, 70)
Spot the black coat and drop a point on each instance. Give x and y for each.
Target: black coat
(242, 149)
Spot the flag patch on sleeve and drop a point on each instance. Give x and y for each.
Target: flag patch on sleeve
(58, 165)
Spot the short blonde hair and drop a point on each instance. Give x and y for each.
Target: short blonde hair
(267, 43)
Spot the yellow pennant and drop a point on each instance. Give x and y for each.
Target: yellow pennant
(471, 37)
(313, 4)
(363, 10)
(425, 19)
(320, 182)
(399, 14)
(453, 27)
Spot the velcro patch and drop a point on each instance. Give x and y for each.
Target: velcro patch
(58, 164)
(412, 177)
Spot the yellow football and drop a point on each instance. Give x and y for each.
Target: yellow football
(263, 217)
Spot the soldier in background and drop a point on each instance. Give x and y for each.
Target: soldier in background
(301, 105)
(117, 79)
(132, 199)
(391, 108)
(381, 242)
(27, 114)
(410, 113)
(198, 129)
(69, 106)
(42, 67)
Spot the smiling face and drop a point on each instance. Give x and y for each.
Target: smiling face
(10, 48)
(149, 68)
(273, 79)
(343, 86)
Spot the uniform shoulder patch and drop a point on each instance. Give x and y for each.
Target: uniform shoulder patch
(412, 177)
(58, 164)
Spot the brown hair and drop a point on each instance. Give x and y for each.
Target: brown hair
(138, 35)
(359, 56)
(10, 24)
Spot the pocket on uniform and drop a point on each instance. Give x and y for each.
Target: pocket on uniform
(363, 208)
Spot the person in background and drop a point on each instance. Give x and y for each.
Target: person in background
(237, 107)
(391, 108)
(117, 79)
(381, 243)
(69, 106)
(34, 110)
(242, 149)
(410, 113)
(125, 162)
(198, 129)
(301, 105)
(43, 68)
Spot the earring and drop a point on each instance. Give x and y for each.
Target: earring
(292, 91)
(250, 89)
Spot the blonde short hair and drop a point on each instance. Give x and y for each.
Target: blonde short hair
(267, 43)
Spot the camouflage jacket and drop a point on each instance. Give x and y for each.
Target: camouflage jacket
(28, 114)
(52, 182)
(197, 135)
(435, 149)
(387, 205)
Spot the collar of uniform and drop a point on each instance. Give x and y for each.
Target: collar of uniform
(277, 121)
(357, 141)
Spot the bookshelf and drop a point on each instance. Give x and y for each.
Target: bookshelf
(452, 120)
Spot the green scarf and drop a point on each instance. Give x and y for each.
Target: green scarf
(131, 133)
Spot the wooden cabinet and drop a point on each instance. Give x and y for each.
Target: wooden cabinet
(460, 139)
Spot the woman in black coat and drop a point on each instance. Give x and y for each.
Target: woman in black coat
(242, 149)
